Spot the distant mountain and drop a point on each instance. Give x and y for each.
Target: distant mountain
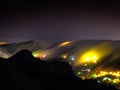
(9, 50)
(24, 72)
(105, 55)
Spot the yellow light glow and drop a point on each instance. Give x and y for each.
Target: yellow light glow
(79, 73)
(89, 57)
(112, 73)
(114, 76)
(94, 54)
(65, 43)
(116, 80)
(36, 53)
(39, 54)
(64, 56)
(3, 43)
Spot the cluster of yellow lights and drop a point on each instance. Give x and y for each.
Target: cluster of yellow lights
(103, 73)
(110, 80)
(114, 80)
(65, 43)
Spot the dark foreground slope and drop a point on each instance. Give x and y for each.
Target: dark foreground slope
(24, 72)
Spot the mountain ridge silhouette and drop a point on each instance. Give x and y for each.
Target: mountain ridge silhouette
(24, 72)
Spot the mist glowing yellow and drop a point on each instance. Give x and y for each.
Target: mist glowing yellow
(65, 43)
(95, 54)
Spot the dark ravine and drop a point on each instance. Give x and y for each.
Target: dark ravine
(24, 72)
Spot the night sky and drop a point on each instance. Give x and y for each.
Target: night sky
(57, 20)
